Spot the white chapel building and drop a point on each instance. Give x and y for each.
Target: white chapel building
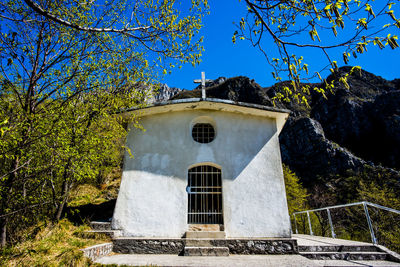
(204, 161)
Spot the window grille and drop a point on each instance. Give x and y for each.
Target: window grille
(204, 195)
(203, 133)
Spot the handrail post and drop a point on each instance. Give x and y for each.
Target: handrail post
(371, 229)
(295, 223)
(309, 223)
(330, 223)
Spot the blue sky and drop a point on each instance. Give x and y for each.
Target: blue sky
(223, 58)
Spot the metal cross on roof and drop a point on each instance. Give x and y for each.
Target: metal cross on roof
(203, 84)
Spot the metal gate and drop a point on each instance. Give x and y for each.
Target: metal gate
(204, 195)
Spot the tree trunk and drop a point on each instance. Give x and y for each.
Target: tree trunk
(60, 210)
(3, 232)
(5, 200)
(64, 200)
(65, 190)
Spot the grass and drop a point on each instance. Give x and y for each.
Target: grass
(87, 193)
(54, 245)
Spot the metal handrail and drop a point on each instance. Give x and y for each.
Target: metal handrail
(365, 205)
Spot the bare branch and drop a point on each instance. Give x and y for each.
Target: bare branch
(37, 8)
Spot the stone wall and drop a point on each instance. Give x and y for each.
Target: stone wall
(176, 246)
(148, 246)
(258, 246)
(98, 251)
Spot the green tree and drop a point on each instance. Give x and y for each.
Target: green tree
(284, 30)
(66, 67)
(386, 227)
(296, 194)
(373, 184)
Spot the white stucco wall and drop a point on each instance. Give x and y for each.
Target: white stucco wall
(152, 200)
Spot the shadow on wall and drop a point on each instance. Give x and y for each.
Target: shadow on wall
(170, 152)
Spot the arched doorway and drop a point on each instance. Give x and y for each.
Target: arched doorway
(204, 195)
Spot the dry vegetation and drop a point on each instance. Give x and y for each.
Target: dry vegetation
(54, 245)
(96, 194)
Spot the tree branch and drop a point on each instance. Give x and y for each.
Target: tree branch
(276, 38)
(19, 167)
(38, 9)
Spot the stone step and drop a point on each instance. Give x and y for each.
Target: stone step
(97, 233)
(206, 251)
(338, 248)
(205, 227)
(100, 225)
(205, 234)
(344, 255)
(199, 242)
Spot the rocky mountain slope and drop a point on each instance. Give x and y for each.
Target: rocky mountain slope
(347, 131)
(164, 93)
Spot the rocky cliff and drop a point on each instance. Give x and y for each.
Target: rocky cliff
(164, 93)
(346, 131)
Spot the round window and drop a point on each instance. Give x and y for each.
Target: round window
(203, 133)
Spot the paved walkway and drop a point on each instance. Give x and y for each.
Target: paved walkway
(232, 260)
(311, 240)
(246, 260)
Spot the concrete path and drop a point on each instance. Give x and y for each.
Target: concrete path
(247, 260)
(232, 260)
(310, 240)
(342, 263)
